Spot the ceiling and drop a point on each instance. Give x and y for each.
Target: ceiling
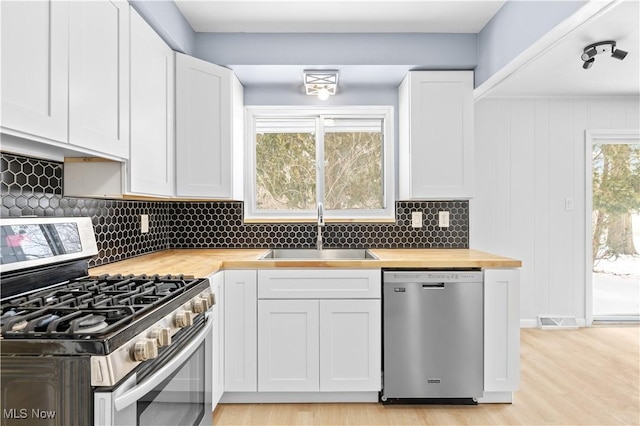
(559, 72)
(365, 16)
(556, 72)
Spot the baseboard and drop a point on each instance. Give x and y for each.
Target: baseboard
(496, 398)
(296, 397)
(533, 322)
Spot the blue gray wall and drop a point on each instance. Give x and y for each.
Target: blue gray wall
(165, 17)
(516, 26)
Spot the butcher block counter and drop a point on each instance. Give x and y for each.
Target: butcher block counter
(204, 262)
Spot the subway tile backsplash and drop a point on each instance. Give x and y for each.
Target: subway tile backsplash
(34, 187)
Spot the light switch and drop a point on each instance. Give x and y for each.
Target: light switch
(144, 223)
(416, 219)
(568, 204)
(443, 219)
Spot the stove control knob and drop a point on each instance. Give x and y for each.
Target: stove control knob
(199, 305)
(144, 349)
(184, 319)
(162, 336)
(212, 299)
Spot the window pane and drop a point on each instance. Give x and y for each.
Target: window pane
(285, 166)
(353, 164)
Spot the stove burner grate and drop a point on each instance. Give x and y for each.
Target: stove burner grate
(91, 307)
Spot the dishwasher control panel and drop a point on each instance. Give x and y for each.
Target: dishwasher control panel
(433, 276)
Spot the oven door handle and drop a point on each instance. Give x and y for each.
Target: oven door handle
(141, 389)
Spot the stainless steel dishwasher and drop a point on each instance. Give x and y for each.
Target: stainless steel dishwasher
(432, 336)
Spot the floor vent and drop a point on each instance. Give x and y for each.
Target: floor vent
(555, 322)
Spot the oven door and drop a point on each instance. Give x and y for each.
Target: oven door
(174, 390)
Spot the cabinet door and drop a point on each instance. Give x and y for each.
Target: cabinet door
(241, 331)
(151, 160)
(217, 286)
(203, 129)
(288, 345)
(99, 76)
(35, 68)
(350, 345)
(436, 135)
(501, 330)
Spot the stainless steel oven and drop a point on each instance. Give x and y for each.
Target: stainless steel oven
(110, 350)
(174, 389)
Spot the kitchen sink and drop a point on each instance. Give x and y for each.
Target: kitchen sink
(325, 254)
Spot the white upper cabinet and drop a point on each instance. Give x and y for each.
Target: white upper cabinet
(99, 76)
(436, 135)
(35, 69)
(151, 161)
(208, 130)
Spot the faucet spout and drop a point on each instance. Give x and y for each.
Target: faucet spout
(320, 225)
(320, 214)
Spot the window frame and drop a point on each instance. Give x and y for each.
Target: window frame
(387, 213)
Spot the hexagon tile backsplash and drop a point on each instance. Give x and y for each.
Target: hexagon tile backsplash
(31, 186)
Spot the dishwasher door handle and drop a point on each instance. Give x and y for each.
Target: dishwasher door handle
(437, 286)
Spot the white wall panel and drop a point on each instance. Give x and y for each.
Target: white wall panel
(530, 158)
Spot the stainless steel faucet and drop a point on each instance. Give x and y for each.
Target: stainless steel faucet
(320, 225)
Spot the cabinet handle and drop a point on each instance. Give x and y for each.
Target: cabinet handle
(438, 286)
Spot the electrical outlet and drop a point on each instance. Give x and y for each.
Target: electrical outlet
(144, 223)
(416, 219)
(443, 219)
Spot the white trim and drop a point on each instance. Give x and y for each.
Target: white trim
(592, 10)
(528, 323)
(383, 111)
(296, 397)
(533, 323)
(591, 136)
(496, 398)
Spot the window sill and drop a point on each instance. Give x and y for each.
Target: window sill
(314, 220)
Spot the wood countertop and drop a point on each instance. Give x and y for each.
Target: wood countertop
(204, 262)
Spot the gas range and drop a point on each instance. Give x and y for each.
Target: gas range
(109, 333)
(98, 315)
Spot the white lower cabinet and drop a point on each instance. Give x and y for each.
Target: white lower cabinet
(288, 345)
(240, 332)
(501, 334)
(350, 345)
(217, 382)
(318, 345)
(314, 335)
(311, 338)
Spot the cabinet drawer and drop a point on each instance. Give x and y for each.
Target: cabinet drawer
(319, 284)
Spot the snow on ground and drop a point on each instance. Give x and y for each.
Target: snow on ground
(616, 286)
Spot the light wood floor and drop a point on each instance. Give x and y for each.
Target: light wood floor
(589, 376)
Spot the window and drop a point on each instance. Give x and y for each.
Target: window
(297, 158)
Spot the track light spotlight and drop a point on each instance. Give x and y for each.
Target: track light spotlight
(618, 54)
(588, 54)
(588, 64)
(590, 51)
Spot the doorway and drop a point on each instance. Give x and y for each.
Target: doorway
(613, 231)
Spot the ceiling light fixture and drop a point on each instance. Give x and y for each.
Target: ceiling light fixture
(590, 51)
(321, 83)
